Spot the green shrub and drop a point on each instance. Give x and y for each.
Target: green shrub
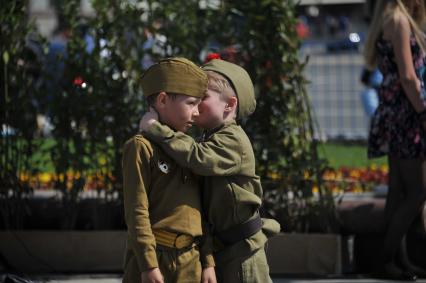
(19, 83)
(92, 121)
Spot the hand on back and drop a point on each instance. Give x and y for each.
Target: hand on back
(148, 119)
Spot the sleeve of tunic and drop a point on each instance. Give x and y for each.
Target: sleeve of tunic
(220, 155)
(206, 247)
(136, 180)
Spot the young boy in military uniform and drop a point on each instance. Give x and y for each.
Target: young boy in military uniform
(161, 199)
(232, 191)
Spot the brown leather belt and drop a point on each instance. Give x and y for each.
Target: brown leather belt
(172, 240)
(241, 231)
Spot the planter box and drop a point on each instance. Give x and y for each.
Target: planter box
(63, 251)
(103, 251)
(316, 254)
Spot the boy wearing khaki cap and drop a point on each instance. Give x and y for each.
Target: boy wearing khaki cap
(162, 200)
(232, 192)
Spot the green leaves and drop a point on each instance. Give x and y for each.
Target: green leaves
(127, 37)
(281, 128)
(6, 57)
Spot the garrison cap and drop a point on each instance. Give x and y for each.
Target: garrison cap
(240, 81)
(174, 75)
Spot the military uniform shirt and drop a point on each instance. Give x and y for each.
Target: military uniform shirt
(158, 194)
(232, 191)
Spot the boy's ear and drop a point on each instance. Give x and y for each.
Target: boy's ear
(232, 104)
(161, 99)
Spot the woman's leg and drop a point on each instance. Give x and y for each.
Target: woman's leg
(394, 199)
(406, 262)
(411, 184)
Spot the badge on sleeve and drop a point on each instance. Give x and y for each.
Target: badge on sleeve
(163, 167)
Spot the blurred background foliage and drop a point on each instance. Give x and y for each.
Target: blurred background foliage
(93, 98)
(19, 81)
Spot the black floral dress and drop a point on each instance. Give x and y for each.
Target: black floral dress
(395, 128)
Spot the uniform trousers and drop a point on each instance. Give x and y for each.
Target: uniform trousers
(248, 269)
(176, 266)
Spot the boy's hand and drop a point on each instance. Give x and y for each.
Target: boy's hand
(148, 119)
(208, 275)
(152, 276)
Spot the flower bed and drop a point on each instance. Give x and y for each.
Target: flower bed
(355, 180)
(48, 181)
(341, 180)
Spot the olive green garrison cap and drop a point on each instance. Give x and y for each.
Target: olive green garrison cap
(241, 82)
(174, 75)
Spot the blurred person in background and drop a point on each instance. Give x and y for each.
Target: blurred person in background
(372, 81)
(396, 45)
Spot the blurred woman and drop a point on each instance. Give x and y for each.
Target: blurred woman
(396, 45)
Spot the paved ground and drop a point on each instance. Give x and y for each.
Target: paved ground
(112, 278)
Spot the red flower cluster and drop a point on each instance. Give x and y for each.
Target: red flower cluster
(78, 81)
(212, 56)
(356, 180)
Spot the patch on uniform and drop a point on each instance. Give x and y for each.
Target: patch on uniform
(163, 167)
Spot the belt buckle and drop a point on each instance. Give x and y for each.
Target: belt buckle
(181, 241)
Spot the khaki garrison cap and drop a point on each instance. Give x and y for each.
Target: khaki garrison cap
(240, 81)
(174, 75)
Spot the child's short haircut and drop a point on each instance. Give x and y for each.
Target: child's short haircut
(221, 84)
(150, 100)
(240, 82)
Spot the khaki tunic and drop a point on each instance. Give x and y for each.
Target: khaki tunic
(232, 191)
(158, 194)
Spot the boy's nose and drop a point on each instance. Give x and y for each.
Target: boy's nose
(196, 112)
